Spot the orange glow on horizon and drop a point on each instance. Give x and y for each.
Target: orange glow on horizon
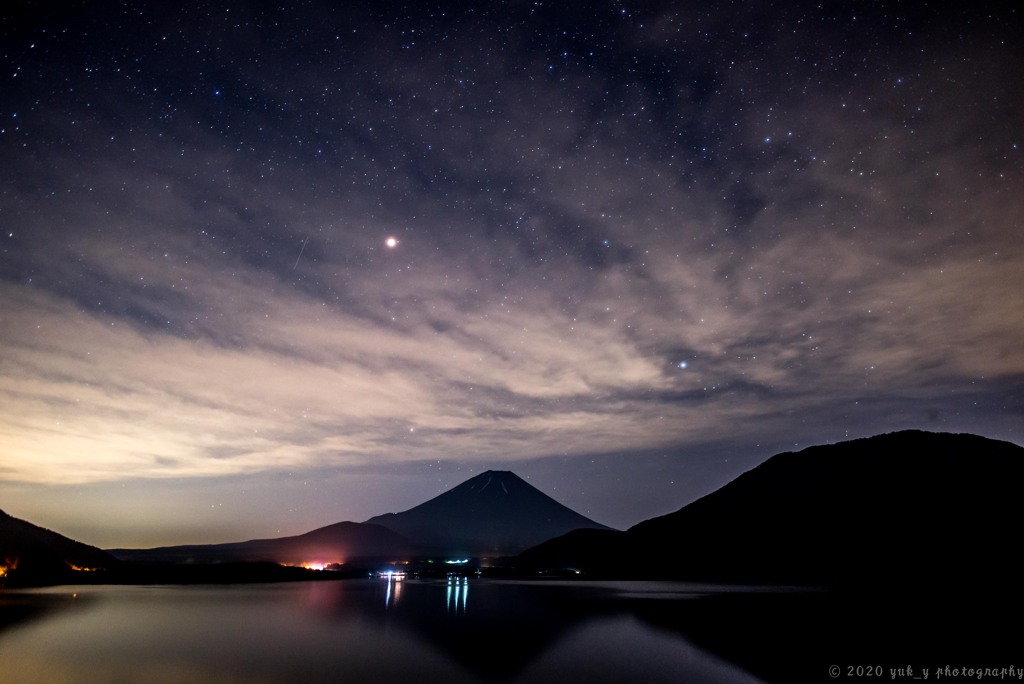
(79, 568)
(315, 564)
(8, 565)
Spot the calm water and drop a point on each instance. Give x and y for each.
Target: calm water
(468, 630)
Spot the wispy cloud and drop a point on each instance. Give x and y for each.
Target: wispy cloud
(650, 247)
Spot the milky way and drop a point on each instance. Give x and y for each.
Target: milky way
(639, 247)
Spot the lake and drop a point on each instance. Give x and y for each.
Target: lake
(467, 630)
(357, 630)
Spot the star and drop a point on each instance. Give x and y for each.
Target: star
(576, 235)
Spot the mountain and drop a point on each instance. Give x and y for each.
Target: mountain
(910, 509)
(30, 554)
(338, 543)
(494, 513)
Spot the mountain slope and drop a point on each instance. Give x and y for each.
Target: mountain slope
(494, 513)
(337, 543)
(910, 508)
(30, 554)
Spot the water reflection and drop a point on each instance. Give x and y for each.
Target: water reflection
(396, 580)
(334, 631)
(17, 608)
(461, 586)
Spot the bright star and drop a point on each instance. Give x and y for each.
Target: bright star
(682, 364)
(391, 243)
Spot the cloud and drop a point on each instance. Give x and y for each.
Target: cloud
(207, 293)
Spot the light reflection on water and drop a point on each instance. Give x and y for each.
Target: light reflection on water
(461, 585)
(371, 630)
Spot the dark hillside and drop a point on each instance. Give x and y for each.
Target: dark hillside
(908, 509)
(30, 554)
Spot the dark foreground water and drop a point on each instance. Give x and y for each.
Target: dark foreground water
(466, 630)
(478, 630)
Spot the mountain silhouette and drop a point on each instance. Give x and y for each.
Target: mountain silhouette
(338, 543)
(494, 513)
(909, 509)
(30, 554)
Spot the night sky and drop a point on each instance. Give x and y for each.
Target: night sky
(266, 267)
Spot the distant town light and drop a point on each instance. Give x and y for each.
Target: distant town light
(79, 568)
